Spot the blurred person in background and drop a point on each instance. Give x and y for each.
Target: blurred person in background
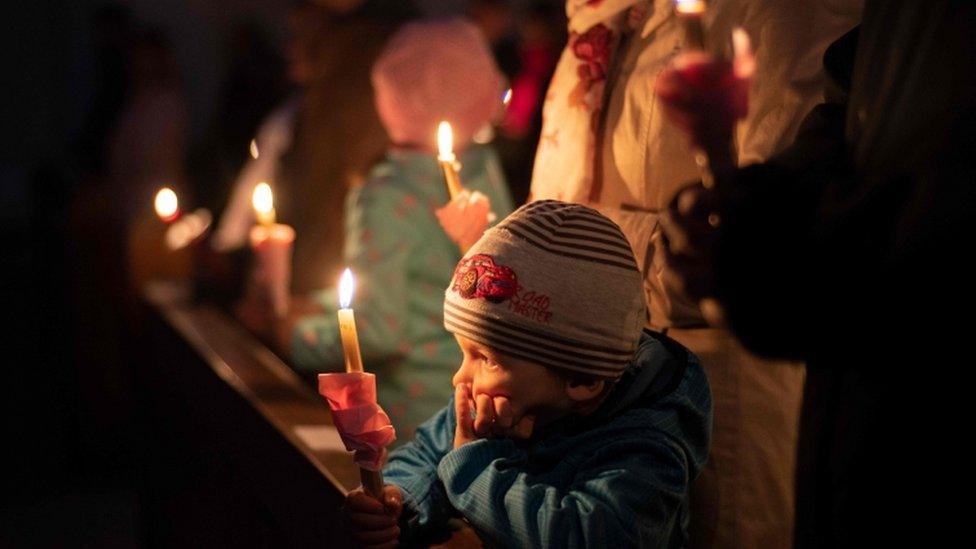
(147, 150)
(542, 33)
(320, 142)
(605, 143)
(337, 134)
(844, 251)
(497, 21)
(148, 142)
(253, 85)
(402, 259)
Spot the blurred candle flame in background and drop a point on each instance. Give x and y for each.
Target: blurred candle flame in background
(263, 201)
(690, 6)
(166, 204)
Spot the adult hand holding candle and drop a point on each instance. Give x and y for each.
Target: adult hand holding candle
(364, 426)
(707, 96)
(272, 245)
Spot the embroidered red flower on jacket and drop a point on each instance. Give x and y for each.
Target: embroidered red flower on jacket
(593, 49)
(479, 276)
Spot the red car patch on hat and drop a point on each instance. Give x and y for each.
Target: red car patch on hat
(479, 276)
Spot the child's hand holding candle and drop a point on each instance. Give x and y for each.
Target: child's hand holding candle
(272, 245)
(373, 521)
(467, 214)
(465, 217)
(363, 425)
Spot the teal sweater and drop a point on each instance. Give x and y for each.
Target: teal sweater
(403, 261)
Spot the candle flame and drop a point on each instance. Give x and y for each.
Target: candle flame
(262, 199)
(346, 285)
(254, 149)
(690, 7)
(166, 204)
(445, 140)
(507, 98)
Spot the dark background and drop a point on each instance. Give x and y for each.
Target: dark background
(71, 420)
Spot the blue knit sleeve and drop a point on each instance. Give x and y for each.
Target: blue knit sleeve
(413, 468)
(628, 493)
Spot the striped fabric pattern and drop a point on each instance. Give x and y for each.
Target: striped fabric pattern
(577, 231)
(579, 303)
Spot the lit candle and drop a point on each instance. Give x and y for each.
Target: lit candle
(167, 205)
(263, 202)
(272, 244)
(445, 156)
(507, 98)
(690, 14)
(347, 324)
(254, 149)
(372, 480)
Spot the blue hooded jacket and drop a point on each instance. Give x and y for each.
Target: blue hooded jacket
(616, 478)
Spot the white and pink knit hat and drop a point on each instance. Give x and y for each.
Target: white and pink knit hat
(555, 284)
(433, 70)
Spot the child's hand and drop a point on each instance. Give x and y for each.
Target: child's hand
(487, 417)
(374, 524)
(465, 217)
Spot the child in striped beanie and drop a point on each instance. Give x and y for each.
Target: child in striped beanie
(570, 425)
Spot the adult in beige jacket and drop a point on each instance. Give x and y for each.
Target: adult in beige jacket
(606, 143)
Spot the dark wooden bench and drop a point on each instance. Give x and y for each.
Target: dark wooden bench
(239, 451)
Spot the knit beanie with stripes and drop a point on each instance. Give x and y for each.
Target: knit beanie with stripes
(555, 284)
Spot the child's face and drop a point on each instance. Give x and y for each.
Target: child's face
(530, 388)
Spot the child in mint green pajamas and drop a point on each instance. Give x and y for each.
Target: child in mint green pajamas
(396, 247)
(402, 260)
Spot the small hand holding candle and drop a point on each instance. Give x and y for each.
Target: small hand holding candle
(272, 245)
(373, 520)
(364, 426)
(465, 217)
